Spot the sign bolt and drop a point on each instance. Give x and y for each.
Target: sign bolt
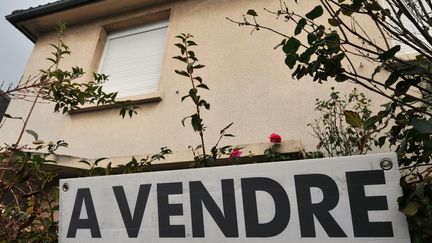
(65, 187)
(386, 164)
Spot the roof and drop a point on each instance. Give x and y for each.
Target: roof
(33, 12)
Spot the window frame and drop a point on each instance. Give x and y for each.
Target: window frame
(133, 30)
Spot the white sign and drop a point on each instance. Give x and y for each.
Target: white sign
(345, 199)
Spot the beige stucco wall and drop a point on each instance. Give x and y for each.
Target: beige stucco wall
(250, 86)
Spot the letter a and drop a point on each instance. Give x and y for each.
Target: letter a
(83, 196)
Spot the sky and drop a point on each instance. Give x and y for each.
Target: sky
(15, 48)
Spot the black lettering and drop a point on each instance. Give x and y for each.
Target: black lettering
(132, 224)
(360, 204)
(227, 221)
(282, 207)
(307, 209)
(83, 196)
(165, 210)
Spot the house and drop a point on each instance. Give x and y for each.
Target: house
(133, 41)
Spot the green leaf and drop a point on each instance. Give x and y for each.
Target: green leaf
(411, 209)
(98, 160)
(199, 66)
(306, 55)
(291, 60)
(422, 125)
(181, 37)
(311, 38)
(334, 22)
(196, 122)
(315, 13)
(389, 53)
(291, 46)
(180, 58)
(353, 118)
(370, 123)
(205, 104)
(12, 117)
(203, 86)
(300, 25)
(184, 119)
(401, 88)
(183, 73)
(191, 43)
(226, 128)
(184, 97)
(252, 12)
(341, 77)
(38, 142)
(85, 162)
(391, 79)
(190, 68)
(33, 133)
(182, 48)
(109, 169)
(381, 141)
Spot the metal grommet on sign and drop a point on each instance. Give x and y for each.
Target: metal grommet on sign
(65, 187)
(386, 164)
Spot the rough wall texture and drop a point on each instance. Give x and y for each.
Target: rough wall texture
(249, 85)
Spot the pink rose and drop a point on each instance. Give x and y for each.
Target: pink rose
(235, 153)
(275, 138)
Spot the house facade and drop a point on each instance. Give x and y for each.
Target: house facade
(133, 42)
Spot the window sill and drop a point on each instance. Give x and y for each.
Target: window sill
(137, 99)
(253, 153)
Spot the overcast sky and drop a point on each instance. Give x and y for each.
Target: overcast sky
(15, 48)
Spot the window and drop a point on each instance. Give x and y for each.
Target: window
(132, 58)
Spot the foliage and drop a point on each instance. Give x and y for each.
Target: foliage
(133, 166)
(331, 42)
(416, 205)
(201, 157)
(28, 199)
(58, 86)
(272, 153)
(346, 125)
(333, 46)
(28, 196)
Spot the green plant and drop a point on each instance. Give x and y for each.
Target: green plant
(202, 157)
(133, 166)
(346, 125)
(28, 198)
(58, 86)
(416, 205)
(330, 48)
(272, 153)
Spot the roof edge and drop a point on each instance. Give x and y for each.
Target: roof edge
(21, 15)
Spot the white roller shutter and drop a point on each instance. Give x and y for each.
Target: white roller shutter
(133, 59)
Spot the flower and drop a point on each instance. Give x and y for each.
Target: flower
(235, 153)
(275, 138)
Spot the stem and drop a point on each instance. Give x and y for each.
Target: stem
(14, 146)
(201, 134)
